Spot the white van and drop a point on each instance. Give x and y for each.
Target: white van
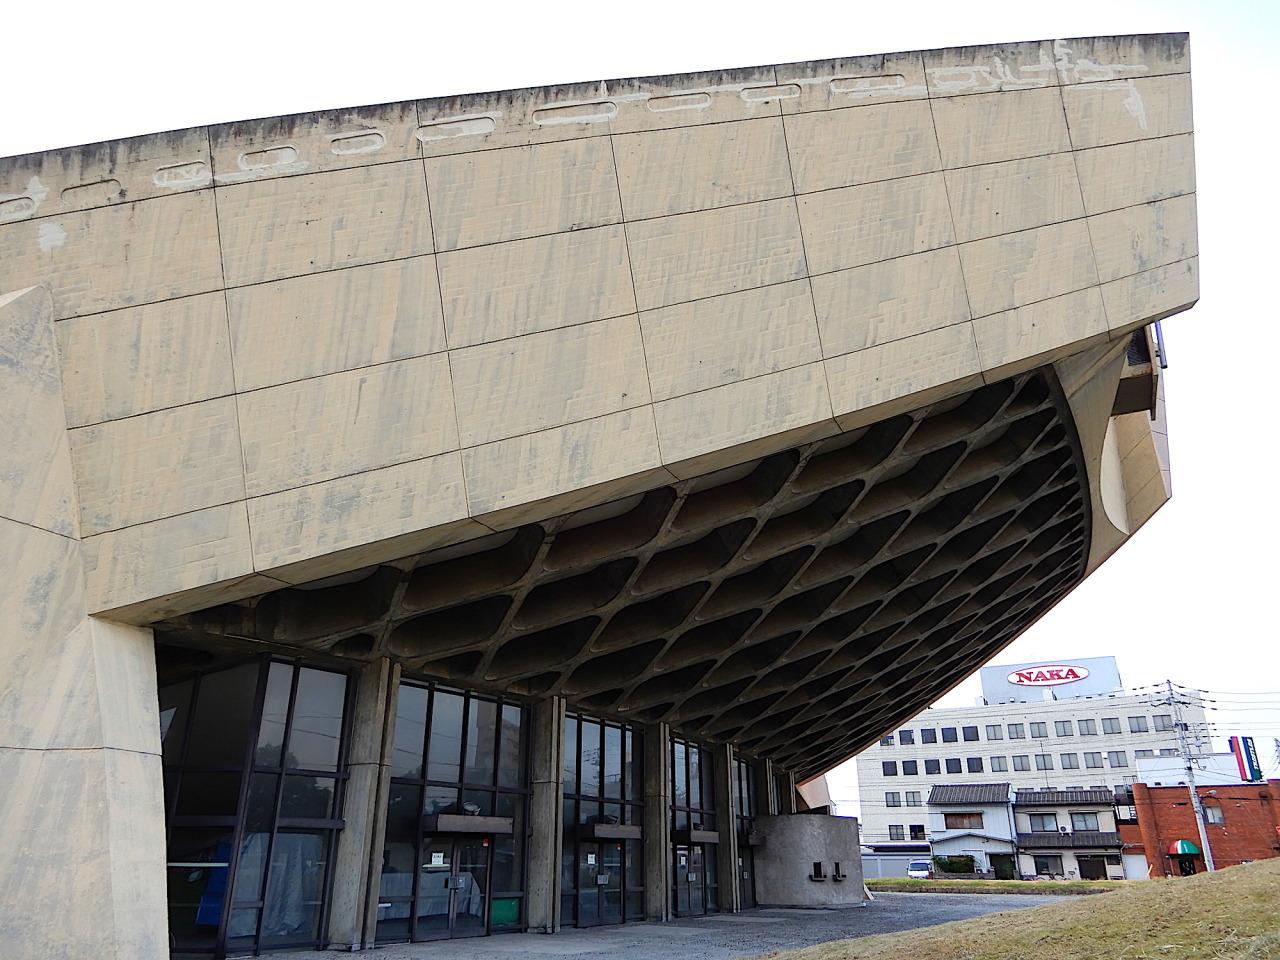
(920, 870)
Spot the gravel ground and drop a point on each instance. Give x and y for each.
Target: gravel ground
(724, 937)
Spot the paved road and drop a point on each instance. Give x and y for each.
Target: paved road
(726, 937)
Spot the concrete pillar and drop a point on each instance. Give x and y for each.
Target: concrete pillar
(542, 899)
(657, 821)
(82, 848)
(726, 804)
(765, 800)
(358, 864)
(786, 790)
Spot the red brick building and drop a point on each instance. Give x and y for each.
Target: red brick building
(1242, 822)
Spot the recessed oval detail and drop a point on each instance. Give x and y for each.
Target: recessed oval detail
(190, 174)
(599, 112)
(370, 142)
(265, 159)
(460, 127)
(783, 91)
(868, 86)
(17, 208)
(680, 101)
(89, 194)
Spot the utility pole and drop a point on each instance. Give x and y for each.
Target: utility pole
(1184, 746)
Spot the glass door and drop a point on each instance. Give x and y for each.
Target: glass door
(453, 888)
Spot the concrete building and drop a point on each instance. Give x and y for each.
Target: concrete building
(1091, 737)
(503, 501)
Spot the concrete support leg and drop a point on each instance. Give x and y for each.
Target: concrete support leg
(786, 790)
(82, 865)
(726, 803)
(547, 757)
(766, 799)
(657, 821)
(353, 914)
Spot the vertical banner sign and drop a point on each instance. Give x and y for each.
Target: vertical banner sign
(1246, 758)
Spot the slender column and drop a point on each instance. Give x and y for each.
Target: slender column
(786, 790)
(766, 797)
(357, 867)
(657, 821)
(547, 746)
(726, 803)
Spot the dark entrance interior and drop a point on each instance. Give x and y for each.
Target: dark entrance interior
(453, 891)
(1003, 865)
(1092, 868)
(254, 763)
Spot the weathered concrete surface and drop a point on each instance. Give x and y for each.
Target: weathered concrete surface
(793, 845)
(278, 335)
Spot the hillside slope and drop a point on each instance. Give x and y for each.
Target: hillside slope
(1233, 914)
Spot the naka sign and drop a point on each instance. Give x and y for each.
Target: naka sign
(1047, 675)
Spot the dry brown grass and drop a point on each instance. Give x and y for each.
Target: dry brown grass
(1233, 914)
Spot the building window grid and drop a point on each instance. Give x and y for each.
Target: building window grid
(1069, 761)
(973, 764)
(995, 731)
(928, 735)
(910, 768)
(1022, 763)
(1163, 722)
(906, 737)
(1044, 761)
(1063, 728)
(950, 735)
(1017, 731)
(953, 765)
(494, 777)
(1111, 725)
(1039, 730)
(913, 798)
(892, 798)
(999, 764)
(1087, 727)
(1137, 724)
(932, 768)
(897, 831)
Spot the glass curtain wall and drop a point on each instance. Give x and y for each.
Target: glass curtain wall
(254, 765)
(693, 827)
(746, 810)
(602, 858)
(461, 754)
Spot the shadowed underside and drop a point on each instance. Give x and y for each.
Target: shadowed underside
(796, 605)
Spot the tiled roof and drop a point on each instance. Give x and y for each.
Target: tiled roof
(970, 793)
(1062, 798)
(1054, 841)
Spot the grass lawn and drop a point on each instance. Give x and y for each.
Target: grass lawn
(1053, 887)
(1233, 914)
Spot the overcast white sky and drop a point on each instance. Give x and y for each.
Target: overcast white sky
(1189, 598)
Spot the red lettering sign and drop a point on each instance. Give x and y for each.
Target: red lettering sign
(1047, 675)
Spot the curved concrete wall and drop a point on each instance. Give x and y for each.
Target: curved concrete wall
(295, 346)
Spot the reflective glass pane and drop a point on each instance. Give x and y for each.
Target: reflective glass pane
(630, 766)
(243, 928)
(310, 797)
(612, 762)
(404, 821)
(511, 746)
(445, 748)
(680, 774)
(262, 802)
(482, 738)
(197, 884)
(275, 711)
(695, 776)
(440, 800)
(175, 705)
(470, 906)
(411, 730)
(316, 736)
(571, 755)
(590, 751)
(208, 794)
(223, 717)
(291, 910)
